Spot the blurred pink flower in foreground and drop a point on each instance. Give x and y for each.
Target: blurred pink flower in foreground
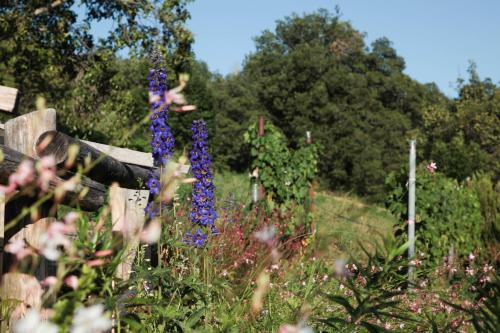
(151, 233)
(18, 248)
(54, 238)
(46, 168)
(49, 281)
(103, 253)
(91, 319)
(72, 282)
(266, 235)
(32, 322)
(24, 174)
(174, 96)
(71, 218)
(95, 262)
(431, 167)
(300, 328)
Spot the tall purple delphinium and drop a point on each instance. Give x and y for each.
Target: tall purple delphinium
(203, 211)
(162, 140)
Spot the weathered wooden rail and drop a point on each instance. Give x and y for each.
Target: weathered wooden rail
(117, 173)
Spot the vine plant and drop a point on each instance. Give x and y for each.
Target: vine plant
(285, 173)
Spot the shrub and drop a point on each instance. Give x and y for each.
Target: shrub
(285, 173)
(448, 214)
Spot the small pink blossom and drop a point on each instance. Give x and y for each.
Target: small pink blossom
(18, 248)
(266, 235)
(92, 319)
(151, 233)
(49, 281)
(184, 108)
(71, 218)
(431, 167)
(72, 282)
(95, 262)
(472, 257)
(24, 175)
(287, 328)
(103, 253)
(46, 171)
(174, 96)
(487, 268)
(416, 263)
(54, 238)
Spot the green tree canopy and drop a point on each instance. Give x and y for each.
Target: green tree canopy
(314, 72)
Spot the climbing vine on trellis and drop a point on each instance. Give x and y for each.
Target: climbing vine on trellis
(285, 173)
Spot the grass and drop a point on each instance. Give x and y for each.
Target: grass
(343, 221)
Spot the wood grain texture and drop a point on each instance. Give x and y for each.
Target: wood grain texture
(123, 154)
(23, 287)
(107, 169)
(94, 199)
(8, 99)
(127, 213)
(20, 134)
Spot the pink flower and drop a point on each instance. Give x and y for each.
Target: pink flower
(266, 235)
(287, 328)
(431, 167)
(54, 238)
(151, 233)
(46, 171)
(174, 96)
(184, 108)
(18, 248)
(95, 262)
(10, 188)
(71, 218)
(24, 175)
(469, 271)
(103, 253)
(49, 281)
(472, 257)
(72, 282)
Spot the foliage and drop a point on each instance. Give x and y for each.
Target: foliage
(462, 135)
(314, 73)
(489, 198)
(448, 214)
(49, 51)
(373, 289)
(286, 174)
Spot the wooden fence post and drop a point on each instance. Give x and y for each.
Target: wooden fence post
(128, 216)
(311, 190)
(262, 192)
(9, 98)
(21, 134)
(411, 208)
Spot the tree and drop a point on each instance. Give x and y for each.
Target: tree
(315, 73)
(45, 51)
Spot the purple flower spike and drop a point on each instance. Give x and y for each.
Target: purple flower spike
(196, 239)
(162, 140)
(203, 211)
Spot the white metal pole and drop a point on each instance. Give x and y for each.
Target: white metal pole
(411, 207)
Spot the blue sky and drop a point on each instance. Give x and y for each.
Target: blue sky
(436, 38)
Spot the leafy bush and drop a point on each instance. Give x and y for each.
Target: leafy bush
(489, 197)
(448, 214)
(286, 174)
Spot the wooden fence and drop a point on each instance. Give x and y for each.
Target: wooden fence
(118, 173)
